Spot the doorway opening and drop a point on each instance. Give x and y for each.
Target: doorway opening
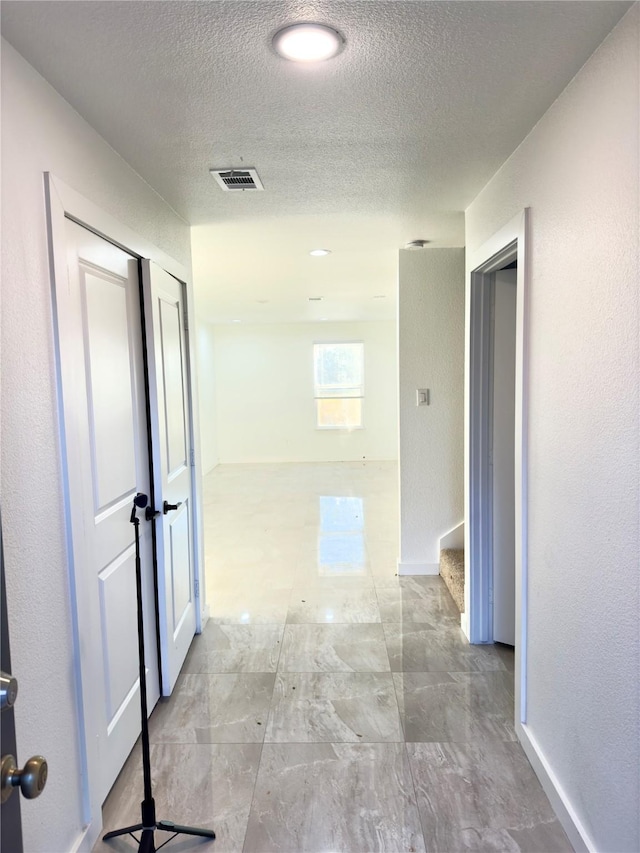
(495, 459)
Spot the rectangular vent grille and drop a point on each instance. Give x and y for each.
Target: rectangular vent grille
(315, 299)
(237, 180)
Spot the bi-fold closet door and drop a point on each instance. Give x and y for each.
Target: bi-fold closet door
(108, 419)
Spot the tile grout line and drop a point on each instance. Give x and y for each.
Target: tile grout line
(408, 759)
(266, 726)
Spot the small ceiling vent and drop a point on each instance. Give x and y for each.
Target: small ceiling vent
(237, 180)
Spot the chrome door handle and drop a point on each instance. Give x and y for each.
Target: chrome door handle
(31, 779)
(8, 690)
(167, 507)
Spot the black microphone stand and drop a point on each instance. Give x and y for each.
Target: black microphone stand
(148, 824)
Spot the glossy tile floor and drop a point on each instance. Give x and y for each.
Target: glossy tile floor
(330, 705)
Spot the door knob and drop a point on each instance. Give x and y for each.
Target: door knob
(31, 779)
(167, 507)
(8, 690)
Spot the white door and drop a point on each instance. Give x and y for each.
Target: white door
(173, 472)
(504, 395)
(100, 349)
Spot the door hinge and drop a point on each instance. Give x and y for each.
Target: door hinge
(197, 588)
(192, 458)
(185, 320)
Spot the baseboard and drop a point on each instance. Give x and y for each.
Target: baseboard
(464, 624)
(405, 568)
(453, 538)
(87, 838)
(565, 812)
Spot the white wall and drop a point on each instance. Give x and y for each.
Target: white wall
(265, 407)
(431, 355)
(41, 132)
(209, 455)
(578, 171)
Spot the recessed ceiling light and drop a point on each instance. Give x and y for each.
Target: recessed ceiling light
(320, 253)
(416, 244)
(308, 42)
(236, 321)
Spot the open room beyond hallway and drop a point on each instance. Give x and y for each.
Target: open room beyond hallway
(330, 705)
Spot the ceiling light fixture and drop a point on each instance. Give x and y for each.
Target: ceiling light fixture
(320, 253)
(308, 42)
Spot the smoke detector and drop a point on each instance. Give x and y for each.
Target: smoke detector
(237, 180)
(416, 244)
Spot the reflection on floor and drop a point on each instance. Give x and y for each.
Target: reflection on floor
(330, 705)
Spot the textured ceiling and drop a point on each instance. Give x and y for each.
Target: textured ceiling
(387, 142)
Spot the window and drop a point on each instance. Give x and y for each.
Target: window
(339, 388)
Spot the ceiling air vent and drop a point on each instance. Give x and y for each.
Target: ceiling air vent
(237, 180)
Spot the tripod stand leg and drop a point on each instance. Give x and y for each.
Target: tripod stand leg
(170, 826)
(127, 830)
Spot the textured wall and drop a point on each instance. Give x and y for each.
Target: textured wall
(578, 171)
(41, 132)
(207, 397)
(264, 377)
(431, 355)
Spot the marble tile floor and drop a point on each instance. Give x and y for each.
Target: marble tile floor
(330, 706)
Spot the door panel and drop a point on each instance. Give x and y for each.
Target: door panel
(105, 424)
(173, 373)
(173, 473)
(504, 397)
(10, 821)
(182, 582)
(119, 632)
(109, 391)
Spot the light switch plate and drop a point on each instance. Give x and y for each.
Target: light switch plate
(422, 397)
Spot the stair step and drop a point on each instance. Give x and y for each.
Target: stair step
(452, 572)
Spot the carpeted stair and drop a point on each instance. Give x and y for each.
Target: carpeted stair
(452, 572)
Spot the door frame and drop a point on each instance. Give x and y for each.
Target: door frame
(503, 247)
(62, 203)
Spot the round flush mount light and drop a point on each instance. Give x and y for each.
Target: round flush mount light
(320, 253)
(308, 42)
(416, 244)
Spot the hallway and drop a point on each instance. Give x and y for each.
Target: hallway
(330, 705)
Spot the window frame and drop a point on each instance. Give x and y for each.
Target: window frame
(340, 427)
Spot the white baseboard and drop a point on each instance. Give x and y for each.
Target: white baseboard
(405, 568)
(453, 538)
(464, 624)
(87, 838)
(562, 806)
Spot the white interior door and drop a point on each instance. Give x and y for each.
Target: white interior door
(173, 472)
(100, 347)
(504, 395)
